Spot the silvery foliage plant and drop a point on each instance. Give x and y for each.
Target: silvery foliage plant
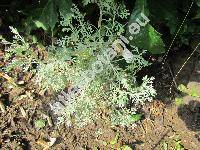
(113, 94)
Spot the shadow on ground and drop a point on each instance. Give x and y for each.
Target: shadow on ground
(190, 114)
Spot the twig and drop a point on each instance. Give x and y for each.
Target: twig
(33, 112)
(170, 70)
(8, 78)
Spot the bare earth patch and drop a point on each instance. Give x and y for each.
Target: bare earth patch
(163, 124)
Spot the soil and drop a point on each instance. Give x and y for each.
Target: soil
(165, 124)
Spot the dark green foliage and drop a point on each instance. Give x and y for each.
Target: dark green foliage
(165, 19)
(49, 14)
(167, 14)
(148, 38)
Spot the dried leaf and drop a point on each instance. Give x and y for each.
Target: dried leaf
(52, 141)
(2, 107)
(23, 112)
(43, 143)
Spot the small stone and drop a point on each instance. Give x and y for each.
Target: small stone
(21, 82)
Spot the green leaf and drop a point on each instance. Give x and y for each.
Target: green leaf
(34, 39)
(183, 88)
(40, 25)
(39, 123)
(126, 147)
(33, 21)
(165, 146)
(194, 93)
(64, 6)
(179, 101)
(115, 140)
(165, 12)
(197, 14)
(49, 15)
(46, 16)
(147, 38)
(198, 2)
(136, 117)
(179, 146)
